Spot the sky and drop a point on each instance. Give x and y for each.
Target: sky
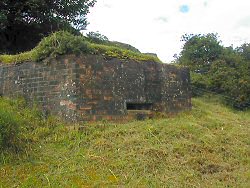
(156, 26)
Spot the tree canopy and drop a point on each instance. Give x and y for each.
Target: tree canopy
(200, 50)
(218, 69)
(23, 23)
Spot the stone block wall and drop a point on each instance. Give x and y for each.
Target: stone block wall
(92, 87)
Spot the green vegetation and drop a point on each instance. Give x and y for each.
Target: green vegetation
(218, 69)
(22, 57)
(61, 43)
(16, 122)
(96, 37)
(120, 53)
(199, 51)
(11, 126)
(206, 147)
(125, 46)
(24, 23)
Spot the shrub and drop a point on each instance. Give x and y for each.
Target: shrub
(199, 84)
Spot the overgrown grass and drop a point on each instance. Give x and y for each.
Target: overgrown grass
(14, 120)
(61, 43)
(207, 147)
(116, 52)
(22, 57)
(20, 127)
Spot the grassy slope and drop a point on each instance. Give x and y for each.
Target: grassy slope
(207, 147)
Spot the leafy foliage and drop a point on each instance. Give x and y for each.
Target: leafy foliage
(218, 69)
(232, 80)
(244, 51)
(199, 51)
(27, 21)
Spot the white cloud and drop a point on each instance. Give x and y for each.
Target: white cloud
(157, 26)
(244, 22)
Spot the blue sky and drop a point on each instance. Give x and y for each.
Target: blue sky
(157, 26)
(184, 8)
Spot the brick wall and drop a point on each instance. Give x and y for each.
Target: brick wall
(93, 87)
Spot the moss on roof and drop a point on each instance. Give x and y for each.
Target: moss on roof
(61, 43)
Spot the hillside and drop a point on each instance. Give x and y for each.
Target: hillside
(206, 147)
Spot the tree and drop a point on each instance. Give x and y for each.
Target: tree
(244, 50)
(218, 69)
(24, 22)
(199, 51)
(231, 78)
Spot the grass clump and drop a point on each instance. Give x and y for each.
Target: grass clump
(21, 127)
(206, 147)
(14, 121)
(10, 130)
(61, 43)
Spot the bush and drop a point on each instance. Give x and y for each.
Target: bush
(218, 69)
(199, 84)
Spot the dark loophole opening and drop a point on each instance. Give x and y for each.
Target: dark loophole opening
(139, 106)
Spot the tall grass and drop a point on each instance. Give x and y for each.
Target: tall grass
(205, 147)
(12, 125)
